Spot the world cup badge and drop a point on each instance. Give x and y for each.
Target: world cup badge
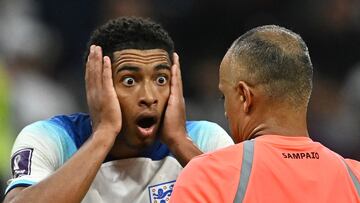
(21, 162)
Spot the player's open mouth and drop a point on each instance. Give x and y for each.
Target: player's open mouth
(146, 125)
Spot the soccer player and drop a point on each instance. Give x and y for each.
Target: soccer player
(266, 80)
(135, 141)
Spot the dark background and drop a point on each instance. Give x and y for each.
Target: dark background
(42, 44)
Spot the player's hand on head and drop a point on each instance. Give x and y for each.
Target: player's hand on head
(101, 97)
(173, 128)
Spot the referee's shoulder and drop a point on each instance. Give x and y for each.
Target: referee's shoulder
(227, 156)
(355, 166)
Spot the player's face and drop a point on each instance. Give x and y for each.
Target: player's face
(231, 105)
(142, 83)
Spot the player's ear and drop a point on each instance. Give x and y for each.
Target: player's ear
(245, 95)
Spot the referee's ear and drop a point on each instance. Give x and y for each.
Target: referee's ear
(244, 96)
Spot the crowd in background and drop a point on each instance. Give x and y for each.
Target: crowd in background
(42, 44)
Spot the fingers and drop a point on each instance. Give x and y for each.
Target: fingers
(98, 68)
(89, 67)
(107, 73)
(176, 81)
(94, 69)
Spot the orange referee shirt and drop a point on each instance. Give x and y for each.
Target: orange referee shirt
(270, 168)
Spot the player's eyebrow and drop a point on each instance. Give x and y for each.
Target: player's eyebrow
(137, 69)
(163, 66)
(128, 68)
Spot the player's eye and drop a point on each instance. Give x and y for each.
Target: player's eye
(161, 80)
(128, 81)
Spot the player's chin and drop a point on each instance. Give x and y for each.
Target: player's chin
(140, 143)
(147, 137)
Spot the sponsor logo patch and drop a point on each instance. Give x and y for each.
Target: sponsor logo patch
(161, 193)
(21, 162)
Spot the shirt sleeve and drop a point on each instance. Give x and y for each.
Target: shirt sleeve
(208, 136)
(38, 151)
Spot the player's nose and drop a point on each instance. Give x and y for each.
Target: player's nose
(148, 96)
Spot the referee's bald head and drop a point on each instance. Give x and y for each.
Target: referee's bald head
(276, 58)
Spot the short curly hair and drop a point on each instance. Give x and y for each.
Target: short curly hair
(130, 33)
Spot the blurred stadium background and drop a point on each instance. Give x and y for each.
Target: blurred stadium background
(42, 44)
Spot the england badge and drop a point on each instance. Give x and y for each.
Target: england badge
(161, 193)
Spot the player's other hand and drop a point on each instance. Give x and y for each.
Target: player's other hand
(101, 97)
(173, 129)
